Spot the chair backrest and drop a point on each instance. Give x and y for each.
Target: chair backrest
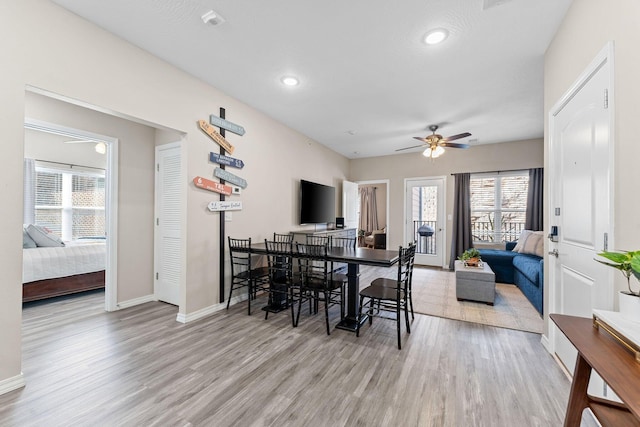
(279, 260)
(312, 263)
(343, 242)
(318, 240)
(287, 238)
(240, 255)
(405, 267)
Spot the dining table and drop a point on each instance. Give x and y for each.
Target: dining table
(354, 258)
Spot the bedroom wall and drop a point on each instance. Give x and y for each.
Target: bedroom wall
(481, 158)
(46, 47)
(587, 27)
(46, 146)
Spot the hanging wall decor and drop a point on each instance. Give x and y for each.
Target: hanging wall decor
(207, 184)
(228, 176)
(209, 130)
(225, 124)
(226, 160)
(225, 206)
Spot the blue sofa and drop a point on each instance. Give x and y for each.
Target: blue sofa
(523, 270)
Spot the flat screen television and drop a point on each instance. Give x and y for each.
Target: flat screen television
(317, 203)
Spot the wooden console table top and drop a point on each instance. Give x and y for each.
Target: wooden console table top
(615, 364)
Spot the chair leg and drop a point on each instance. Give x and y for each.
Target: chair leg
(342, 298)
(398, 323)
(230, 292)
(411, 305)
(358, 317)
(406, 316)
(326, 310)
(299, 308)
(370, 311)
(249, 292)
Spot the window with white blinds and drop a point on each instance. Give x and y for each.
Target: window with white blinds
(69, 202)
(498, 205)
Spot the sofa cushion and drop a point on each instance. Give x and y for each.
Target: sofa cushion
(529, 266)
(501, 262)
(530, 242)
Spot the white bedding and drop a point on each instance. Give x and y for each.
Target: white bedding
(72, 259)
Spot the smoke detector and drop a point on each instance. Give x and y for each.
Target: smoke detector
(213, 18)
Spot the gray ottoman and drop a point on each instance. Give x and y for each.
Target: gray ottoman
(475, 283)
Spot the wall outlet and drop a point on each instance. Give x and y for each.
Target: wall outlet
(236, 190)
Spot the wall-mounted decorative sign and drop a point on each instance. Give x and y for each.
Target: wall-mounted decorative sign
(225, 206)
(225, 124)
(216, 187)
(226, 160)
(229, 177)
(209, 130)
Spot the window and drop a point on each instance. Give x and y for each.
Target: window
(70, 203)
(498, 205)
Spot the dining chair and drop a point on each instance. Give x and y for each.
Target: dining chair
(392, 283)
(339, 270)
(318, 240)
(281, 237)
(390, 295)
(282, 279)
(243, 274)
(317, 284)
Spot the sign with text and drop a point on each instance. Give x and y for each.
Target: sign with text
(226, 160)
(225, 206)
(216, 187)
(209, 130)
(225, 124)
(229, 177)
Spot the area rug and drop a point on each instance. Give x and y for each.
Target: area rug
(434, 294)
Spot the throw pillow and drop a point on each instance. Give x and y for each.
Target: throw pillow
(27, 241)
(44, 238)
(531, 242)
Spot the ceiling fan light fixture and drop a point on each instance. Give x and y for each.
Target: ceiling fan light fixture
(436, 36)
(433, 152)
(290, 81)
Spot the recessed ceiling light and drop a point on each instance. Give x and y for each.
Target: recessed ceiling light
(290, 81)
(436, 36)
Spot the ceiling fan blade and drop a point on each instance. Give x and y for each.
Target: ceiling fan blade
(419, 138)
(78, 141)
(454, 137)
(454, 145)
(409, 148)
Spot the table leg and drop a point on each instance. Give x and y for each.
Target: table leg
(350, 322)
(578, 399)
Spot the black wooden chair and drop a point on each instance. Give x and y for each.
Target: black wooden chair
(390, 295)
(243, 274)
(317, 283)
(282, 279)
(318, 240)
(285, 238)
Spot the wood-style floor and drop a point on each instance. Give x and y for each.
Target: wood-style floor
(139, 367)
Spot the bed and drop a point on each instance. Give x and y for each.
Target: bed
(53, 271)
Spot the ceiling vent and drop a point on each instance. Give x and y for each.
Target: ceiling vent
(213, 18)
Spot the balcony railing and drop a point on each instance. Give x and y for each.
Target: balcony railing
(483, 231)
(425, 241)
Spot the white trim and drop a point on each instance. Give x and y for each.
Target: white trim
(605, 56)
(134, 302)
(204, 312)
(12, 383)
(111, 185)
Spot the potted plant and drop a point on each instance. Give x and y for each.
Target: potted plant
(629, 265)
(470, 257)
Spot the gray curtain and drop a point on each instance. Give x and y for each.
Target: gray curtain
(368, 209)
(461, 237)
(533, 219)
(29, 201)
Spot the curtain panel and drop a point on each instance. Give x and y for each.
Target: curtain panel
(368, 209)
(533, 218)
(461, 238)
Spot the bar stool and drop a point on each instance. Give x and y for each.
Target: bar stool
(242, 273)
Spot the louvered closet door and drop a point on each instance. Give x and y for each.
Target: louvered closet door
(168, 234)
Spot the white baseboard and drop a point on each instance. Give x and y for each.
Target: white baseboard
(207, 311)
(135, 301)
(12, 383)
(545, 343)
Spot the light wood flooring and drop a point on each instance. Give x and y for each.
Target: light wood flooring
(139, 367)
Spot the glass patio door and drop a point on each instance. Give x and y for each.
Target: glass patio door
(425, 223)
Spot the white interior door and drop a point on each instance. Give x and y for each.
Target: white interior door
(425, 222)
(580, 205)
(350, 204)
(167, 257)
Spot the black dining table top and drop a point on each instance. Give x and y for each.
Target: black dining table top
(365, 256)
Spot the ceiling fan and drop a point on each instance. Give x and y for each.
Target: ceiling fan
(101, 147)
(435, 143)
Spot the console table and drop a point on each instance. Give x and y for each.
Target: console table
(616, 365)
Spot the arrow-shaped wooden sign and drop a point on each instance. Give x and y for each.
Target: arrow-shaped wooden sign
(229, 177)
(209, 130)
(225, 206)
(226, 160)
(225, 124)
(216, 187)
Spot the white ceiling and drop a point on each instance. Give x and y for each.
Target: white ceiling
(368, 83)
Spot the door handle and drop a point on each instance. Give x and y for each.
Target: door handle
(554, 253)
